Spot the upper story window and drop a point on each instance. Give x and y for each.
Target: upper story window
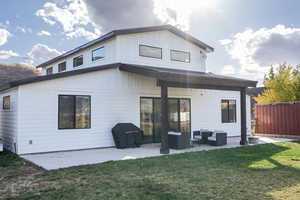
(151, 52)
(181, 56)
(228, 111)
(98, 54)
(77, 61)
(62, 66)
(6, 103)
(49, 70)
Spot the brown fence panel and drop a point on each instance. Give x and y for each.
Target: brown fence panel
(278, 119)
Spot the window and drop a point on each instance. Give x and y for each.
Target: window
(152, 52)
(77, 61)
(62, 67)
(49, 70)
(228, 111)
(180, 56)
(74, 112)
(98, 54)
(6, 103)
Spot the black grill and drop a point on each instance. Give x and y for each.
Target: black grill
(126, 135)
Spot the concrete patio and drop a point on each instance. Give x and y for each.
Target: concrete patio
(57, 160)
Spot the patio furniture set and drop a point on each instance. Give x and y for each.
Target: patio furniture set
(203, 136)
(127, 135)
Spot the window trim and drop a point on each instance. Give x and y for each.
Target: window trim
(48, 69)
(90, 114)
(3, 107)
(161, 50)
(74, 61)
(96, 50)
(235, 112)
(173, 50)
(65, 66)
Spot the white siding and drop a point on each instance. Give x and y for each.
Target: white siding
(125, 49)
(9, 120)
(115, 97)
(110, 57)
(128, 50)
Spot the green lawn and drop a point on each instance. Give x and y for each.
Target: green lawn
(270, 171)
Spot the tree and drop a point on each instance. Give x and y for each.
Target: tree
(282, 85)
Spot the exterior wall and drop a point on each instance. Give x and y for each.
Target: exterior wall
(9, 120)
(115, 97)
(110, 57)
(125, 48)
(128, 50)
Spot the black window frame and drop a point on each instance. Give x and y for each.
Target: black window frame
(179, 51)
(74, 96)
(59, 66)
(77, 57)
(93, 59)
(161, 51)
(9, 104)
(227, 101)
(47, 72)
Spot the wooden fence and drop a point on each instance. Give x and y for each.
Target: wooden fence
(278, 119)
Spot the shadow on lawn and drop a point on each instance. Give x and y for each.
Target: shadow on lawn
(251, 172)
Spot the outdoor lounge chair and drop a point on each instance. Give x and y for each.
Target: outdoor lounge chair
(219, 138)
(202, 135)
(178, 140)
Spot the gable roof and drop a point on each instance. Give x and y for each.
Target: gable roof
(114, 33)
(12, 72)
(154, 72)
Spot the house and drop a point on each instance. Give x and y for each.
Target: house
(154, 77)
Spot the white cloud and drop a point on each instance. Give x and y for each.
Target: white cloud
(73, 17)
(257, 50)
(178, 12)
(228, 70)
(81, 32)
(41, 53)
(45, 33)
(24, 30)
(8, 54)
(4, 34)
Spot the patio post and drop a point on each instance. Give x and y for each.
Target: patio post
(243, 117)
(164, 149)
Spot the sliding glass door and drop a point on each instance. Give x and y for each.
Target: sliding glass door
(179, 117)
(146, 115)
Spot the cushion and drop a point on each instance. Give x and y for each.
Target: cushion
(174, 133)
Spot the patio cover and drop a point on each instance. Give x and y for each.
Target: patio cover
(191, 79)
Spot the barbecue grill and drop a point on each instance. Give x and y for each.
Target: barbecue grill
(126, 135)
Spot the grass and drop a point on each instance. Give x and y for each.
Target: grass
(270, 171)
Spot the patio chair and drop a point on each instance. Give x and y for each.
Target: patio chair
(178, 140)
(202, 135)
(219, 138)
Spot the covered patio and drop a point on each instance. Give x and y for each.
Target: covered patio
(57, 160)
(172, 78)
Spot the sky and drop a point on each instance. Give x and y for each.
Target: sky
(248, 36)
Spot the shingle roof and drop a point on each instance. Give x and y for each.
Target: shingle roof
(114, 33)
(155, 72)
